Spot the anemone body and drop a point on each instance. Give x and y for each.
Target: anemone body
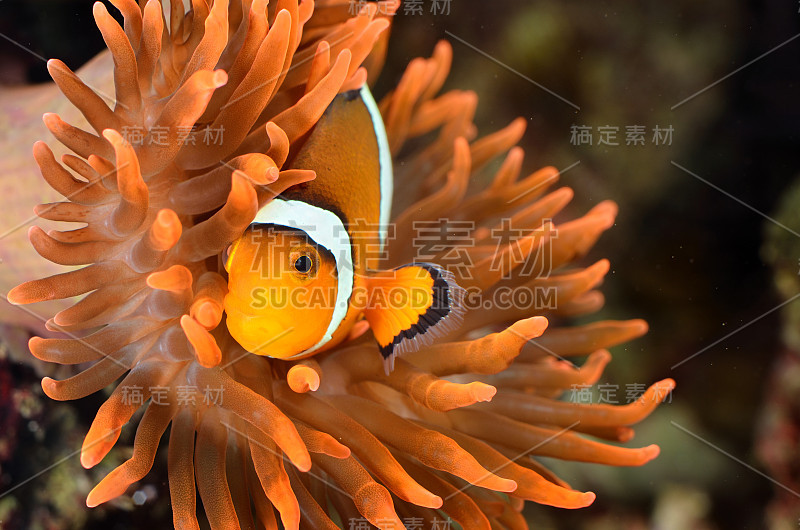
(209, 105)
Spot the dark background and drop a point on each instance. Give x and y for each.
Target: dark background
(685, 256)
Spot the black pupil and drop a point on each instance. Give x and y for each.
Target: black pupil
(303, 264)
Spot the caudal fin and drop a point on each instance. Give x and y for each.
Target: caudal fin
(411, 306)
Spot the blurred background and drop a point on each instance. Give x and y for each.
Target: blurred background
(702, 100)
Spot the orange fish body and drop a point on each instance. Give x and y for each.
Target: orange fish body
(303, 275)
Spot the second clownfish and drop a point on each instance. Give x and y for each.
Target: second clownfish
(302, 275)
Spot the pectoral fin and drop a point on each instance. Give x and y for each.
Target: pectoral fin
(411, 306)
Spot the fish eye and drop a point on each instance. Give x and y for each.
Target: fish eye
(303, 264)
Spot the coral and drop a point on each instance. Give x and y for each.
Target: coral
(777, 428)
(332, 438)
(35, 434)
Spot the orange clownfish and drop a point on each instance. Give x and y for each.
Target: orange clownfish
(302, 275)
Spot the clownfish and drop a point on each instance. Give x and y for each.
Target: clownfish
(301, 279)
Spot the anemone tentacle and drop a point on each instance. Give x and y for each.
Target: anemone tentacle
(210, 104)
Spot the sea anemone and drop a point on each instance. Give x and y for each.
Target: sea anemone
(451, 431)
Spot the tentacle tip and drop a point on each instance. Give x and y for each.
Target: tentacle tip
(298, 455)
(625, 434)
(382, 24)
(93, 500)
(483, 392)
(34, 231)
(39, 148)
(57, 321)
(507, 485)
(442, 46)
(639, 326)
(520, 124)
(435, 502)
(587, 499)
(49, 119)
(301, 385)
(88, 460)
(650, 452)
(608, 206)
(602, 356)
(112, 135)
(208, 315)
(53, 325)
(49, 386)
(470, 98)
(567, 192)
(207, 351)
(166, 216)
(219, 78)
(606, 221)
(530, 328)
(208, 361)
(540, 320)
(666, 384)
(303, 464)
(99, 8)
(14, 297)
(345, 55)
(603, 266)
(152, 281)
(359, 329)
